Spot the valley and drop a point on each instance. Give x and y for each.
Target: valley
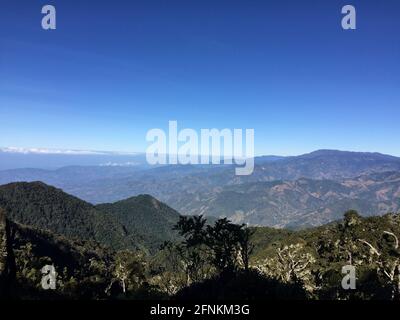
(292, 192)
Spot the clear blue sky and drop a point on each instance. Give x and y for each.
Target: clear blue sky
(114, 69)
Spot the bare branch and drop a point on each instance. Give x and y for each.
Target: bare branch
(371, 247)
(396, 246)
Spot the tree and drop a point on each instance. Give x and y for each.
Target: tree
(348, 235)
(194, 251)
(227, 246)
(387, 259)
(7, 262)
(129, 270)
(168, 268)
(292, 264)
(192, 229)
(246, 246)
(223, 239)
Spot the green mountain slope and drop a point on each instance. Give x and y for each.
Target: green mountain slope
(84, 268)
(146, 216)
(45, 207)
(138, 222)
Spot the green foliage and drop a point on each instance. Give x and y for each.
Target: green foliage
(138, 222)
(82, 267)
(113, 251)
(147, 221)
(129, 270)
(226, 245)
(48, 208)
(369, 244)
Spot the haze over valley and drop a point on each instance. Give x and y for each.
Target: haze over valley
(293, 192)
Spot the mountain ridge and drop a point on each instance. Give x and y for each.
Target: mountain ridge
(48, 208)
(212, 190)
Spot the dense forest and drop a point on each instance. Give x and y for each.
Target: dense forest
(197, 259)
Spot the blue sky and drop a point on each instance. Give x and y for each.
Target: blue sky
(115, 69)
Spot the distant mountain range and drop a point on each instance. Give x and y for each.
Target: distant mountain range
(297, 203)
(300, 191)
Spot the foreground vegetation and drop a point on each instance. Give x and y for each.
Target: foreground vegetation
(212, 261)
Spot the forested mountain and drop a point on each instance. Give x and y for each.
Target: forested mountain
(210, 261)
(146, 216)
(45, 207)
(136, 222)
(84, 268)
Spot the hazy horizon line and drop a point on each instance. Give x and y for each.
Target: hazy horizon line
(88, 152)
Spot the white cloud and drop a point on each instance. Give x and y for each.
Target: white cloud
(60, 151)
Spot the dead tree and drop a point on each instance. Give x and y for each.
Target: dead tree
(389, 268)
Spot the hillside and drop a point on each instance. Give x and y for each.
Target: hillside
(146, 216)
(138, 222)
(45, 207)
(284, 264)
(297, 203)
(84, 269)
(369, 244)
